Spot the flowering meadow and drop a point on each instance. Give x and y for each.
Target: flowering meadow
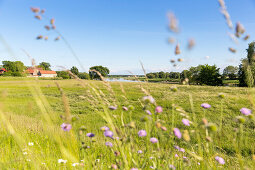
(76, 124)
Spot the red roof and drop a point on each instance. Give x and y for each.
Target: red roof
(47, 72)
(2, 69)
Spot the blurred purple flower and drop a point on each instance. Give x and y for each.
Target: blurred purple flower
(185, 122)
(108, 144)
(66, 127)
(90, 135)
(134, 169)
(104, 128)
(182, 150)
(177, 147)
(184, 157)
(205, 105)
(177, 133)
(140, 151)
(245, 111)
(112, 107)
(172, 167)
(149, 99)
(176, 155)
(152, 167)
(159, 109)
(220, 160)
(108, 133)
(148, 112)
(125, 108)
(142, 133)
(154, 140)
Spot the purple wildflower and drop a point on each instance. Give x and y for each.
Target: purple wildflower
(66, 127)
(177, 133)
(134, 169)
(172, 167)
(90, 135)
(185, 122)
(108, 144)
(108, 133)
(205, 105)
(245, 111)
(184, 157)
(149, 99)
(177, 147)
(125, 108)
(159, 109)
(104, 128)
(154, 140)
(176, 155)
(182, 150)
(112, 107)
(142, 133)
(140, 151)
(148, 112)
(220, 160)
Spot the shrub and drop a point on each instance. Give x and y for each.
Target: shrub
(63, 74)
(83, 76)
(209, 75)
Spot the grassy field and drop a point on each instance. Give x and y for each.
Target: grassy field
(32, 112)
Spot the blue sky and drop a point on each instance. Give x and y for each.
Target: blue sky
(121, 33)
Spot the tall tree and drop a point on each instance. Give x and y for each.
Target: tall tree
(104, 71)
(246, 71)
(209, 75)
(74, 70)
(231, 72)
(45, 65)
(14, 66)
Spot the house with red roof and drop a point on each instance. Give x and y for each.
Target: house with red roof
(2, 70)
(39, 72)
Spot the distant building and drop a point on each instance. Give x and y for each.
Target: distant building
(39, 72)
(46, 73)
(2, 70)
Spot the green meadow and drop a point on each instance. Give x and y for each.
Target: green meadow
(32, 112)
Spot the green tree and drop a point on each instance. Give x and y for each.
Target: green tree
(104, 71)
(230, 72)
(246, 73)
(14, 66)
(83, 76)
(74, 70)
(45, 66)
(209, 75)
(162, 75)
(150, 75)
(63, 74)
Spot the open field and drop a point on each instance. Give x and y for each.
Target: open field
(31, 111)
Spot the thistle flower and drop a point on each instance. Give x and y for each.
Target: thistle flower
(177, 50)
(191, 43)
(108, 144)
(52, 21)
(182, 150)
(246, 37)
(46, 38)
(140, 151)
(108, 133)
(232, 50)
(66, 127)
(39, 37)
(186, 122)
(125, 108)
(158, 109)
(90, 135)
(205, 105)
(220, 160)
(35, 10)
(172, 61)
(180, 59)
(58, 38)
(114, 166)
(42, 11)
(104, 128)
(239, 29)
(148, 99)
(163, 128)
(38, 17)
(112, 107)
(142, 133)
(176, 155)
(177, 133)
(53, 27)
(245, 111)
(47, 27)
(154, 140)
(173, 22)
(148, 112)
